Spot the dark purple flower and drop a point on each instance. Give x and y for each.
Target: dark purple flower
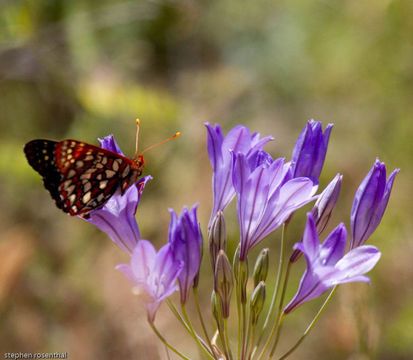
(117, 217)
(327, 265)
(370, 203)
(238, 140)
(265, 199)
(153, 274)
(185, 239)
(310, 150)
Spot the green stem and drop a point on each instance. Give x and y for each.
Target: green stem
(253, 328)
(227, 347)
(178, 315)
(166, 343)
(309, 328)
(239, 319)
(277, 335)
(194, 334)
(276, 288)
(201, 319)
(279, 272)
(244, 329)
(276, 325)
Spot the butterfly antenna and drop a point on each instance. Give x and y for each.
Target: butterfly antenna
(160, 143)
(138, 125)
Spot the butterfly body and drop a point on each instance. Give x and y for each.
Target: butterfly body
(81, 177)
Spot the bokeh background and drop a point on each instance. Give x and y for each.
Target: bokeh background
(86, 68)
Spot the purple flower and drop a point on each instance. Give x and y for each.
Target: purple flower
(327, 265)
(370, 203)
(238, 140)
(185, 239)
(265, 199)
(117, 217)
(310, 150)
(152, 273)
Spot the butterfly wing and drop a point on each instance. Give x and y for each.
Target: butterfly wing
(41, 156)
(80, 177)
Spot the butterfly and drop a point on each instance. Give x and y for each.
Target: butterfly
(82, 177)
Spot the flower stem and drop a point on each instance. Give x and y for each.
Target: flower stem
(195, 335)
(166, 343)
(201, 319)
(178, 315)
(309, 328)
(279, 272)
(227, 347)
(278, 319)
(276, 289)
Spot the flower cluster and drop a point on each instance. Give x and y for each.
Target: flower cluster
(268, 192)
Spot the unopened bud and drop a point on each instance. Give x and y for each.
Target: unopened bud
(217, 237)
(326, 203)
(257, 302)
(201, 249)
(223, 282)
(261, 267)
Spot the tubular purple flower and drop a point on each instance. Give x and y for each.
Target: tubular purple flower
(370, 202)
(238, 140)
(185, 239)
(265, 199)
(152, 274)
(117, 217)
(327, 265)
(310, 150)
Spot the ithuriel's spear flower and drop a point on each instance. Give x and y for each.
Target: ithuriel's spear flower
(265, 199)
(152, 274)
(185, 239)
(238, 140)
(327, 265)
(117, 217)
(370, 203)
(310, 150)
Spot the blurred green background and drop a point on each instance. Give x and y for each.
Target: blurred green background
(86, 68)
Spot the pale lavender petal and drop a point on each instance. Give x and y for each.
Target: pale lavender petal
(128, 272)
(117, 217)
(359, 260)
(332, 250)
(310, 242)
(238, 140)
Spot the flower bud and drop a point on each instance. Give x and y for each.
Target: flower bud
(217, 237)
(370, 203)
(326, 203)
(257, 302)
(261, 267)
(223, 282)
(196, 278)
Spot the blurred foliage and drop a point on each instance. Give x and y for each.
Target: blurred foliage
(87, 68)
